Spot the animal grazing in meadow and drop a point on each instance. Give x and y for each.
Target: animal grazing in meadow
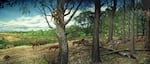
(127, 39)
(6, 57)
(41, 43)
(82, 41)
(140, 39)
(36, 44)
(54, 47)
(9, 46)
(33, 44)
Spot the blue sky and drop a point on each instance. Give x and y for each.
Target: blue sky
(11, 19)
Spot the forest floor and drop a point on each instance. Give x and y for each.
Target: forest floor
(77, 54)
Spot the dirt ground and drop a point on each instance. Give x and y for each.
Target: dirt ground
(77, 54)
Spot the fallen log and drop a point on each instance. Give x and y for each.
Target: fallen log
(120, 52)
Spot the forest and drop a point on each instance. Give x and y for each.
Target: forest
(77, 32)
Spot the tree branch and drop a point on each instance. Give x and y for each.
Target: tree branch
(49, 8)
(69, 10)
(74, 12)
(103, 3)
(66, 5)
(46, 19)
(52, 6)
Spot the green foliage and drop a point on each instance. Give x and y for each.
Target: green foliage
(40, 33)
(25, 37)
(84, 22)
(147, 61)
(3, 43)
(75, 32)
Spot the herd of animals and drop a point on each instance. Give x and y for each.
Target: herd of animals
(78, 42)
(52, 47)
(74, 43)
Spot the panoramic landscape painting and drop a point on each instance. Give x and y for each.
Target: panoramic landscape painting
(74, 32)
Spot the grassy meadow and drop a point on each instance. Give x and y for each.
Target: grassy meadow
(21, 52)
(23, 38)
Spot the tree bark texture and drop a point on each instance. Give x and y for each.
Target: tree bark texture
(147, 45)
(95, 47)
(132, 45)
(60, 33)
(111, 28)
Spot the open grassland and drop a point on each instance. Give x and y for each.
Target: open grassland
(7, 39)
(77, 54)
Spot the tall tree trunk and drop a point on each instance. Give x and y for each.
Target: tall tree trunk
(147, 45)
(132, 46)
(95, 47)
(129, 24)
(143, 25)
(111, 28)
(123, 25)
(60, 32)
(137, 31)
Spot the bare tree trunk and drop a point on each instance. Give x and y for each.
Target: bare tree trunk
(143, 24)
(111, 28)
(137, 31)
(129, 24)
(123, 25)
(60, 32)
(147, 45)
(63, 51)
(132, 47)
(95, 47)
(110, 37)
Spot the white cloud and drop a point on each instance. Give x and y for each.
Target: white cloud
(72, 20)
(93, 8)
(28, 23)
(24, 24)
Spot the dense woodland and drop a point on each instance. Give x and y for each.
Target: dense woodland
(121, 29)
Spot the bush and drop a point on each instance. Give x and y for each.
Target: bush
(147, 61)
(20, 43)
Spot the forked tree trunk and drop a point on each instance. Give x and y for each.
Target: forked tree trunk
(95, 47)
(60, 33)
(147, 45)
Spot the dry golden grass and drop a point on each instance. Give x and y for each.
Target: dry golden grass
(77, 55)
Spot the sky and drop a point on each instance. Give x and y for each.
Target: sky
(11, 19)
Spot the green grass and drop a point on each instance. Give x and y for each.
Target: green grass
(20, 39)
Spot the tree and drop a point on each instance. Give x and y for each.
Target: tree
(123, 22)
(111, 27)
(147, 45)
(85, 21)
(58, 10)
(146, 5)
(95, 47)
(132, 47)
(60, 28)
